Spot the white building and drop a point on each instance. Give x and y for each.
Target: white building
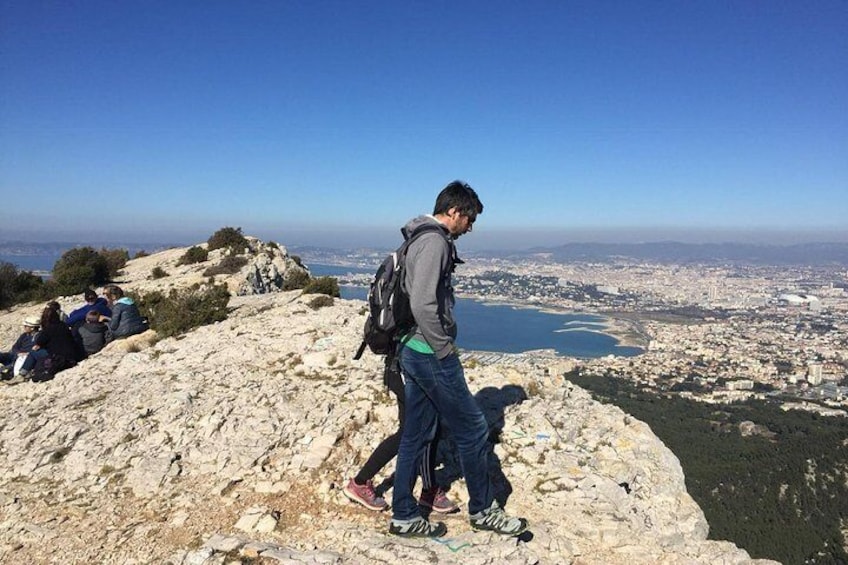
(814, 373)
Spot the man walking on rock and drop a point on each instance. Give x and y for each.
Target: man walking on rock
(435, 384)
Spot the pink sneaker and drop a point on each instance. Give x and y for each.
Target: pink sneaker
(437, 499)
(364, 495)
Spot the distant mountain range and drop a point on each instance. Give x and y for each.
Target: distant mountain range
(58, 247)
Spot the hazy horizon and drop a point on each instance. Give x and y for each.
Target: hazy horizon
(479, 240)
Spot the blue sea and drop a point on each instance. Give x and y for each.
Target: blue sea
(509, 329)
(31, 262)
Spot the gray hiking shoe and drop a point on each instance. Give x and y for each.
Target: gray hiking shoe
(17, 379)
(417, 528)
(493, 519)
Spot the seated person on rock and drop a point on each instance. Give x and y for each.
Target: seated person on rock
(23, 345)
(92, 303)
(126, 320)
(92, 333)
(54, 341)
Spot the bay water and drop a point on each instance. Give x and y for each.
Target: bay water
(510, 329)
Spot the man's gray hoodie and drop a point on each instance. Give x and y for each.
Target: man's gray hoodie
(429, 266)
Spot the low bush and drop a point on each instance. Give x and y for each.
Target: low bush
(17, 286)
(321, 301)
(295, 279)
(116, 259)
(78, 269)
(141, 253)
(323, 285)
(158, 273)
(181, 310)
(229, 265)
(194, 254)
(231, 238)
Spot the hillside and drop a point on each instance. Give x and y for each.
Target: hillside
(230, 444)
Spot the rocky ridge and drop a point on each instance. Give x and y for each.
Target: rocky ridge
(230, 444)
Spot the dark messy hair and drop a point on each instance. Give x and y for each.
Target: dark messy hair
(49, 317)
(460, 196)
(114, 291)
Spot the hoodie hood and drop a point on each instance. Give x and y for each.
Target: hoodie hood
(415, 223)
(126, 300)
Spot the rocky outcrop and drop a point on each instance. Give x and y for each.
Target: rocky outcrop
(268, 267)
(232, 443)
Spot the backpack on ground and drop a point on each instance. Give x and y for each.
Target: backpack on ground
(47, 367)
(390, 315)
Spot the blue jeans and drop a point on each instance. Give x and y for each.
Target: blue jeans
(32, 359)
(436, 389)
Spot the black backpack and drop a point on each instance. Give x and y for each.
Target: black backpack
(47, 367)
(389, 315)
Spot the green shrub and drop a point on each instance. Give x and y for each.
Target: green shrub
(194, 254)
(228, 237)
(78, 269)
(158, 273)
(229, 265)
(295, 279)
(321, 301)
(323, 285)
(141, 253)
(116, 259)
(17, 286)
(181, 310)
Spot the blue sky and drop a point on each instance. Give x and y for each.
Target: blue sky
(335, 122)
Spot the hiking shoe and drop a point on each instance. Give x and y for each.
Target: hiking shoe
(493, 519)
(17, 379)
(364, 495)
(437, 499)
(417, 528)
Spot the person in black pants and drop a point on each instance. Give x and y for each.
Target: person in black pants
(361, 487)
(53, 341)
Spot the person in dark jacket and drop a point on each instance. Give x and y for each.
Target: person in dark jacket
(92, 302)
(126, 320)
(22, 346)
(93, 333)
(54, 340)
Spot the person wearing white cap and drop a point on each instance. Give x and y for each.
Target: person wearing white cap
(22, 346)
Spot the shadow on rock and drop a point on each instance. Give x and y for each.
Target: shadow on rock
(493, 402)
